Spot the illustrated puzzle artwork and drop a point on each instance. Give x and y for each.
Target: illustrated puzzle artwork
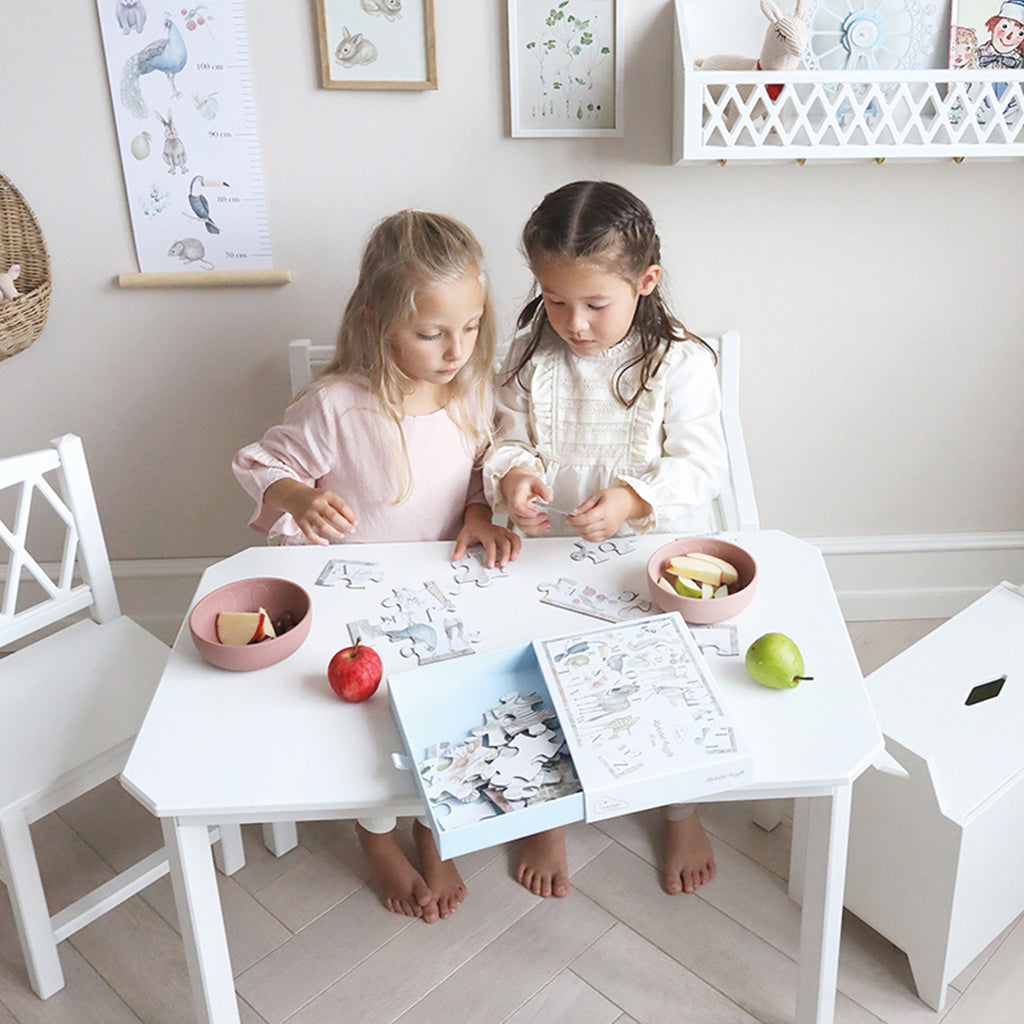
(516, 759)
(355, 575)
(580, 597)
(638, 701)
(423, 620)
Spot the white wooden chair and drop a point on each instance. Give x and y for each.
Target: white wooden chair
(735, 507)
(306, 361)
(70, 702)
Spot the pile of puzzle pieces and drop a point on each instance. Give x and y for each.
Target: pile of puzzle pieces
(515, 759)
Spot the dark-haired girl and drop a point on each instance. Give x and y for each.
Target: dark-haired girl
(609, 410)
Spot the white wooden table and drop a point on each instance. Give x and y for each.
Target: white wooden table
(278, 746)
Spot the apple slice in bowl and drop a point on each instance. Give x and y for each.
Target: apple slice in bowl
(239, 605)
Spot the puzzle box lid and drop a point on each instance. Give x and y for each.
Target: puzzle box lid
(644, 719)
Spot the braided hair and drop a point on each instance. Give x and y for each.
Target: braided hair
(604, 224)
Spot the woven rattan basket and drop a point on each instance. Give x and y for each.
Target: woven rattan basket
(21, 242)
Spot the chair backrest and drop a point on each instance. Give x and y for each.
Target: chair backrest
(306, 361)
(46, 494)
(735, 507)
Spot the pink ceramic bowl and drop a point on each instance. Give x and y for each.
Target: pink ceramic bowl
(704, 610)
(279, 597)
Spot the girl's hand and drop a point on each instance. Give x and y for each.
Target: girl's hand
(320, 515)
(500, 545)
(519, 488)
(601, 515)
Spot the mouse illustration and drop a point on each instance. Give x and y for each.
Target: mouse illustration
(190, 250)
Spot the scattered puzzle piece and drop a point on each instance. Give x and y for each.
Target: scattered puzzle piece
(724, 637)
(423, 620)
(355, 575)
(578, 597)
(472, 568)
(601, 551)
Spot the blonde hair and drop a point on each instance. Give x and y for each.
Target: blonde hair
(407, 254)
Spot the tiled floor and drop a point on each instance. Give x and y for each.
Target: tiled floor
(311, 944)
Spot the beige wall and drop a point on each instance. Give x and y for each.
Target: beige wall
(880, 306)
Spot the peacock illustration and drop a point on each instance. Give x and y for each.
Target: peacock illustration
(167, 55)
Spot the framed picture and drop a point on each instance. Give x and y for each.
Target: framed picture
(986, 34)
(565, 67)
(377, 44)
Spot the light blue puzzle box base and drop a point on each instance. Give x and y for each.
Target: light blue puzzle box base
(442, 703)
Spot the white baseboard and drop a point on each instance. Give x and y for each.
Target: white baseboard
(916, 576)
(156, 592)
(919, 576)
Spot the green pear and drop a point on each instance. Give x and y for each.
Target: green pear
(774, 660)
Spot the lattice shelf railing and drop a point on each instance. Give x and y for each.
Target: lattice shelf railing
(863, 114)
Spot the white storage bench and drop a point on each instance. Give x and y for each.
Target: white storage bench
(935, 859)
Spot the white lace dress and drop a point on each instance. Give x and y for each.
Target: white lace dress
(561, 420)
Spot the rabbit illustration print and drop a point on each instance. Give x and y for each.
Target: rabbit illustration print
(130, 15)
(354, 50)
(174, 149)
(389, 9)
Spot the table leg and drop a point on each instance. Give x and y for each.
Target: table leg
(280, 836)
(821, 919)
(201, 920)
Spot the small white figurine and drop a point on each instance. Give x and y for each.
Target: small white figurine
(784, 42)
(7, 289)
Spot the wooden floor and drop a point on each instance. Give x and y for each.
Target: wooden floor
(311, 944)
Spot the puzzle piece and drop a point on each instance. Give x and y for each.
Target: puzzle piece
(521, 767)
(516, 714)
(589, 549)
(354, 574)
(423, 621)
(455, 814)
(514, 769)
(578, 597)
(618, 545)
(456, 771)
(472, 568)
(724, 637)
(601, 551)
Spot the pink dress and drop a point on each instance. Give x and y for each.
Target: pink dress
(333, 437)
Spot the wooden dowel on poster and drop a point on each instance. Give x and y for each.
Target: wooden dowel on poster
(207, 279)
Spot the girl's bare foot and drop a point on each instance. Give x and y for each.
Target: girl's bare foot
(543, 868)
(689, 859)
(441, 875)
(402, 887)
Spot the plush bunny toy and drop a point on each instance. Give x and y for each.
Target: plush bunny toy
(784, 41)
(7, 289)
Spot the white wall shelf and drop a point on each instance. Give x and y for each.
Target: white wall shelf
(842, 115)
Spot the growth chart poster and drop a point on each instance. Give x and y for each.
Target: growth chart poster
(181, 91)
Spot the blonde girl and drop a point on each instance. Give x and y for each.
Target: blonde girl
(386, 446)
(609, 418)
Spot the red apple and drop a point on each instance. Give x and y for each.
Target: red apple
(355, 672)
